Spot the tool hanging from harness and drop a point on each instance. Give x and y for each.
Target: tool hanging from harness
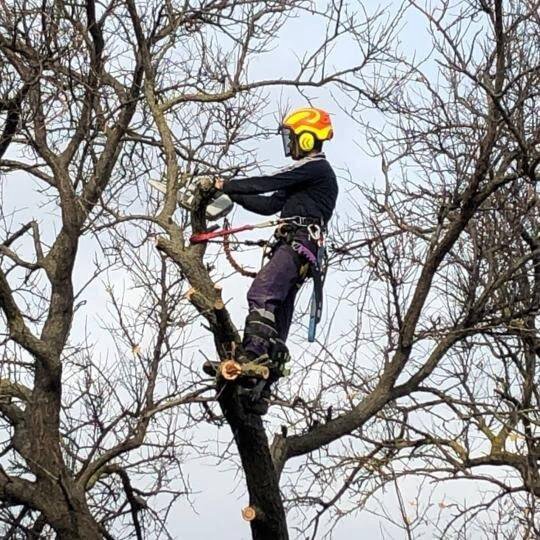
(317, 273)
(316, 302)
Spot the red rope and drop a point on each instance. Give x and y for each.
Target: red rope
(227, 248)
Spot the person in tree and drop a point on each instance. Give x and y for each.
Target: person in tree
(306, 191)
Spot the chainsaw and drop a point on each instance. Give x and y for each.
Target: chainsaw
(218, 206)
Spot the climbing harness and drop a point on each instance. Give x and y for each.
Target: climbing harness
(285, 231)
(316, 263)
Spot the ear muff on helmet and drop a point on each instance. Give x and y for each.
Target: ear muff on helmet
(306, 141)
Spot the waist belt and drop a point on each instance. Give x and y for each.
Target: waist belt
(286, 231)
(305, 221)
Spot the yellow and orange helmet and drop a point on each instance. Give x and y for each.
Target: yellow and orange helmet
(303, 127)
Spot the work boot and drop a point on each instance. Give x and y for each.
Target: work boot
(258, 404)
(210, 367)
(259, 330)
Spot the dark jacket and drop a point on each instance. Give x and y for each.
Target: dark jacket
(307, 189)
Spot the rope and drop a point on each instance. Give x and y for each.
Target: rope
(227, 248)
(251, 243)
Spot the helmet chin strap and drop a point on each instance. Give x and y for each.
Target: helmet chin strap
(300, 154)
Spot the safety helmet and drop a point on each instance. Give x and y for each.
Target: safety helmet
(301, 128)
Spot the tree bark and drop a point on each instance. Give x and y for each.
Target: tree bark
(262, 481)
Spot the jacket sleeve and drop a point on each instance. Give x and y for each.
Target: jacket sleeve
(287, 178)
(261, 204)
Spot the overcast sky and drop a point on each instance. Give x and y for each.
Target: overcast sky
(222, 494)
(219, 494)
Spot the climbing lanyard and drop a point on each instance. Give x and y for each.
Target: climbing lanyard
(204, 237)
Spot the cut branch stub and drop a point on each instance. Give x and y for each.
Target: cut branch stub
(231, 370)
(252, 513)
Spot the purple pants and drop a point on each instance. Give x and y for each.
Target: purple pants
(274, 290)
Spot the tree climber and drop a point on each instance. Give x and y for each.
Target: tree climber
(306, 191)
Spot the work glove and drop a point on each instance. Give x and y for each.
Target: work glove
(206, 183)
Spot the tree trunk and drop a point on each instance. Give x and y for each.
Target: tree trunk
(261, 478)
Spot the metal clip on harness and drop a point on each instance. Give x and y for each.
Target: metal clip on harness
(315, 232)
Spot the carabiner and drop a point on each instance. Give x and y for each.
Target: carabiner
(314, 231)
